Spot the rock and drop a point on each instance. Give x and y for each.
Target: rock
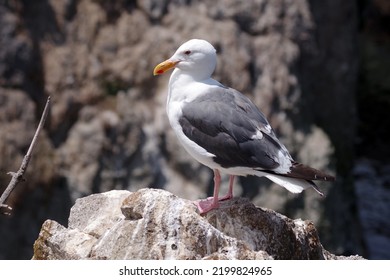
(15, 51)
(155, 224)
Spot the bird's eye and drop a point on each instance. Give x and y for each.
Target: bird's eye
(187, 52)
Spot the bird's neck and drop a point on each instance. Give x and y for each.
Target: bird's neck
(185, 87)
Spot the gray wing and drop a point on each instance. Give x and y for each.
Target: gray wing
(228, 125)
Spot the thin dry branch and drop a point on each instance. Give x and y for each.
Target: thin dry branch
(17, 177)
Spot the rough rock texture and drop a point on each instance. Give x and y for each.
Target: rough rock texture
(298, 61)
(155, 224)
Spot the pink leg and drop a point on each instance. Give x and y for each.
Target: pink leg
(230, 193)
(210, 203)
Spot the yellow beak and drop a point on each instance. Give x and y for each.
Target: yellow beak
(164, 67)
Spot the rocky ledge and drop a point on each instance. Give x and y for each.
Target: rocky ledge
(155, 224)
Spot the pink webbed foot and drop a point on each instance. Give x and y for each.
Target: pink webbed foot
(226, 197)
(230, 193)
(206, 205)
(210, 203)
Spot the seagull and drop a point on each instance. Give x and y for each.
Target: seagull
(222, 128)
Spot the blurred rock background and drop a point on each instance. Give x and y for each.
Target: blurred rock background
(319, 70)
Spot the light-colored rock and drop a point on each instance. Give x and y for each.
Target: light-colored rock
(155, 224)
(64, 244)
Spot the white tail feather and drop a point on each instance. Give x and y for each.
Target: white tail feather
(291, 184)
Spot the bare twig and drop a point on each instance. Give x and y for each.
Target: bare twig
(18, 176)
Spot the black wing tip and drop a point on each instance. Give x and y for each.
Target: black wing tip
(309, 173)
(329, 178)
(322, 176)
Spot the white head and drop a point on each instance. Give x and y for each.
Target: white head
(195, 57)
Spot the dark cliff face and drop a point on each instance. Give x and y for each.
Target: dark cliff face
(373, 85)
(299, 62)
(372, 167)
